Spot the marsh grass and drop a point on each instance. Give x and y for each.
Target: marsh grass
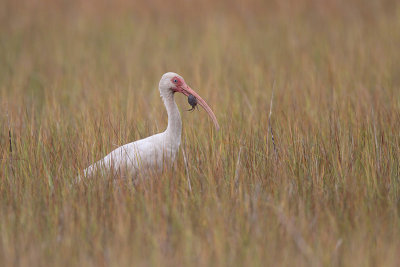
(78, 79)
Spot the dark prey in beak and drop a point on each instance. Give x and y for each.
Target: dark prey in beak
(192, 101)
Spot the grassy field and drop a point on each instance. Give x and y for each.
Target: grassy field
(79, 78)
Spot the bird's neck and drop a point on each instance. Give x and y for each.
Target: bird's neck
(174, 128)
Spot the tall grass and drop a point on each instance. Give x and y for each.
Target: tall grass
(78, 79)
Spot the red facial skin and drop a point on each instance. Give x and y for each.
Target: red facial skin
(182, 87)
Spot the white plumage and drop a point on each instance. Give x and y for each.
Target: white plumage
(157, 151)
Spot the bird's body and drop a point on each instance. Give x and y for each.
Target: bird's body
(157, 151)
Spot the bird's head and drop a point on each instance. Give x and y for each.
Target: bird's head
(171, 83)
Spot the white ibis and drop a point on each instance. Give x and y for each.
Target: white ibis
(153, 152)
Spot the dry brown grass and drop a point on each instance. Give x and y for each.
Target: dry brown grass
(78, 79)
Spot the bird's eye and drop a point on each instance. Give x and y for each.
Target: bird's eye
(175, 81)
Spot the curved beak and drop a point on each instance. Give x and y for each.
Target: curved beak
(186, 90)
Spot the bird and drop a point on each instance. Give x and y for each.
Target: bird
(157, 151)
